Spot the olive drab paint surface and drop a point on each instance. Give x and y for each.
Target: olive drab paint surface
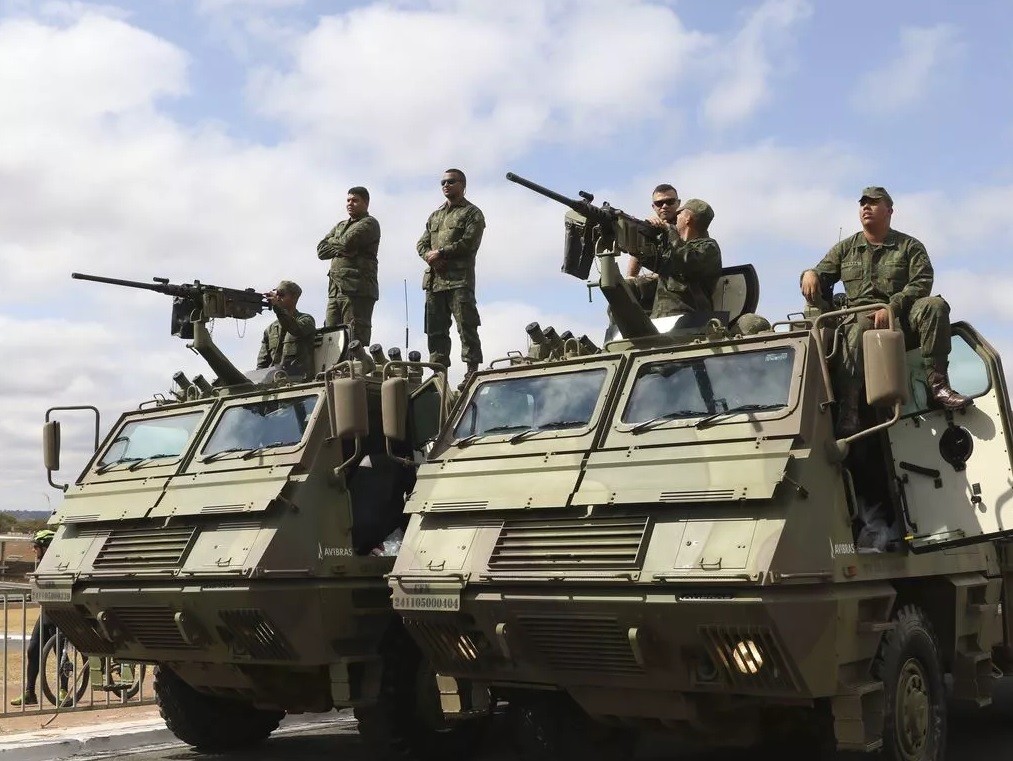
(663, 534)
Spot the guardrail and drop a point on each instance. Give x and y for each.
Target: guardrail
(39, 662)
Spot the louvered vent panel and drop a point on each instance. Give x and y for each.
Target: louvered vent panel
(705, 495)
(136, 549)
(82, 632)
(257, 635)
(587, 643)
(599, 544)
(155, 628)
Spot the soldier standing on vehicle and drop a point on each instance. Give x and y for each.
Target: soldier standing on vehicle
(288, 341)
(448, 245)
(688, 263)
(880, 264)
(41, 633)
(352, 288)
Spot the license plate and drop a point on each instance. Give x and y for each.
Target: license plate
(51, 594)
(437, 602)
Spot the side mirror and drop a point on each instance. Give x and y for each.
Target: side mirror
(51, 445)
(351, 414)
(886, 376)
(394, 400)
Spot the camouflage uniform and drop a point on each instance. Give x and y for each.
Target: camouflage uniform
(687, 273)
(293, 335)
(456, 231)
(352, 288)
(897, 271)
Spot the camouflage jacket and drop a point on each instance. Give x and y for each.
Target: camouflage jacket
(688, 271)
(297, 345)
(897, 271)
(351, 246)
(457, 232)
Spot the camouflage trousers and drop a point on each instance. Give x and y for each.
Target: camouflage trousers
(440, 306)
(354, 311)
(927, 325)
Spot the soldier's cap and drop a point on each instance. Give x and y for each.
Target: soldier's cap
(702, 211)
(287, 286)
(876, 191)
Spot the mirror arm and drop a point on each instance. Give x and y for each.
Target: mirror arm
(820, 321)
(340, 470)
(49, 413)
(841, 446)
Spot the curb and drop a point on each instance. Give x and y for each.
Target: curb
(121, 737)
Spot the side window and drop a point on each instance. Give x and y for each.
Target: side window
(968, 374)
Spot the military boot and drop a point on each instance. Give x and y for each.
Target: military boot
(472, 369)
(940, 391)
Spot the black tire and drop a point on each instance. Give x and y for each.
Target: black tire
(552, 727)
(208, 722)
(911, 670)
(406, 723)
(71, 664)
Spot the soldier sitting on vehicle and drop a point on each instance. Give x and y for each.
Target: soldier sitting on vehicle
(880, 264)
(288, 341)
(688, 264)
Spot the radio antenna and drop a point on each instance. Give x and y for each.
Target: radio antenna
(406, 315)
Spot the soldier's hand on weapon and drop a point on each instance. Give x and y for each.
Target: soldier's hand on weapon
(656, 221)
(272, 298)
(881, 319)
(811, 286)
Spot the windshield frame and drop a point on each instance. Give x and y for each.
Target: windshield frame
(237, 459)
(448, 442)
(146, 468)
(688, 423)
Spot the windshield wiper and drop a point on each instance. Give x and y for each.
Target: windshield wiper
(145, 460)
(106, 467)
(644, 425)
(222, 452)
(554, 425)
(704, 422)
(260, 449)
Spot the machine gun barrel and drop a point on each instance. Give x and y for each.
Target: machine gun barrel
(582, 207)
(247, 296)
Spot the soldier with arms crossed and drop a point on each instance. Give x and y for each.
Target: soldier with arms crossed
(352, 288)
(880, 264)
(448, 245)
(288, 341)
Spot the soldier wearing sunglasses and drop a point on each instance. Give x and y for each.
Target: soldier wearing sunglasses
(448, 246)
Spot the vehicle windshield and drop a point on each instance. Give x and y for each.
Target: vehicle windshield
(150, 438)
(261, 425)
(532, 403)
(710, 386)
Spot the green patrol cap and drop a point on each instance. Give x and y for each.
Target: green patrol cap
(287, 286)
(702, 211)
(876, 191)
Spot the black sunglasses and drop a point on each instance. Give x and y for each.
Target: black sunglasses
(661, 202)
(448, 182)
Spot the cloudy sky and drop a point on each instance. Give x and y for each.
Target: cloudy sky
(215, 139)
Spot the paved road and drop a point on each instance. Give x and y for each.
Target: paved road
(986, 734)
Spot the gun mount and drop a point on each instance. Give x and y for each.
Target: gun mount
(604, 232)
(193, 304)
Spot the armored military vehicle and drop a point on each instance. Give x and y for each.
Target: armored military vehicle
(668, 535)
(232, 534)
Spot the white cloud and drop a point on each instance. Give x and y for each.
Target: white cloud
(924, 54)
(408, 91)
(753, 57)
